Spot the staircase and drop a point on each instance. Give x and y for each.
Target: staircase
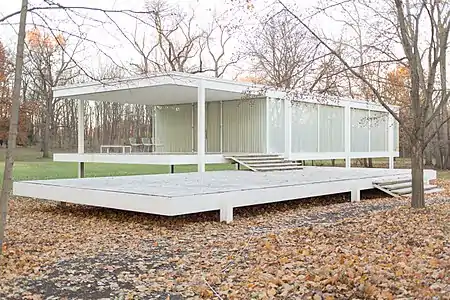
(402, 186)
(264, 162)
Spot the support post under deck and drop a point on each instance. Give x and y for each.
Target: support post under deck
(81, 169)
(226, 214)
(355, 195)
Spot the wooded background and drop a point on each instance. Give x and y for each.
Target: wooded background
(276, 52)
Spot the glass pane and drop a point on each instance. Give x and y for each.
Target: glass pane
(304, 127)
(360, 130)
(331, 128)
(276, 126)
(378, 131)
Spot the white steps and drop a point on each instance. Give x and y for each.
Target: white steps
(264, 162)
(402, 186)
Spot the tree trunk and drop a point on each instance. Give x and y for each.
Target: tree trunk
(46, 142)
(418, 198)
(48, 123)
(13, 126)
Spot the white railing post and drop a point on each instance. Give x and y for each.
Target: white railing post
(201, 117)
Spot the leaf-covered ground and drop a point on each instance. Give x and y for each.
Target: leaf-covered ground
(325, 248)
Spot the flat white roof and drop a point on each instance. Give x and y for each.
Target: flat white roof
(163, 89)
(178, 88)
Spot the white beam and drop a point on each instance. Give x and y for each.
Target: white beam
(287, 128)
(201, 128)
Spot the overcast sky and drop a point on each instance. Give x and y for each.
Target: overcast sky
(116, 47)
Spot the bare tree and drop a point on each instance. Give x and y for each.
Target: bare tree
(422, 28)
(168, 38)
(282, 52)
(50, 63)
(216, 45)
(14, 120)
(177, 35)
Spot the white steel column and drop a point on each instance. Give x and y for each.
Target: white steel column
(318, 127)
(221, 127)
(287, 128)
(391, 140)
(192, 127)
(370, 130)
(268, 124)
(347, 135)
(154, 127)
(201, 128)
(80, 136)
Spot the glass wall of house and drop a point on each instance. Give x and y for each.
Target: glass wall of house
(318, 130)
(233, 126)
(369, 131)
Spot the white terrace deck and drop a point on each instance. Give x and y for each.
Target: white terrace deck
(140, 158)
(179, 194)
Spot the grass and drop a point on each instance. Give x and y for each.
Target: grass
(30, 166)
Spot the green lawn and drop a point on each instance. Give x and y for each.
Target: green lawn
(30, 166)
(53, 170)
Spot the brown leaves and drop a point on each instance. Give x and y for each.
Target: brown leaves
(400, 253)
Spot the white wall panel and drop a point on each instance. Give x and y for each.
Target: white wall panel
(360, 130)
(173, 128)
(213, 126)
(244, 125)
(331, 129)
(304, 127)
(276, 126)
(378, 131)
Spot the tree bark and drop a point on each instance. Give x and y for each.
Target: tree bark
(13, 126)
(46, 142)
(418, 198)
(48, 123)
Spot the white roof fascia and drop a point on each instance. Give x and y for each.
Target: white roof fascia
(133, 83)
(338, 101)
(159, 79)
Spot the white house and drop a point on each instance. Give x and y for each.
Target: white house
(199, 120)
